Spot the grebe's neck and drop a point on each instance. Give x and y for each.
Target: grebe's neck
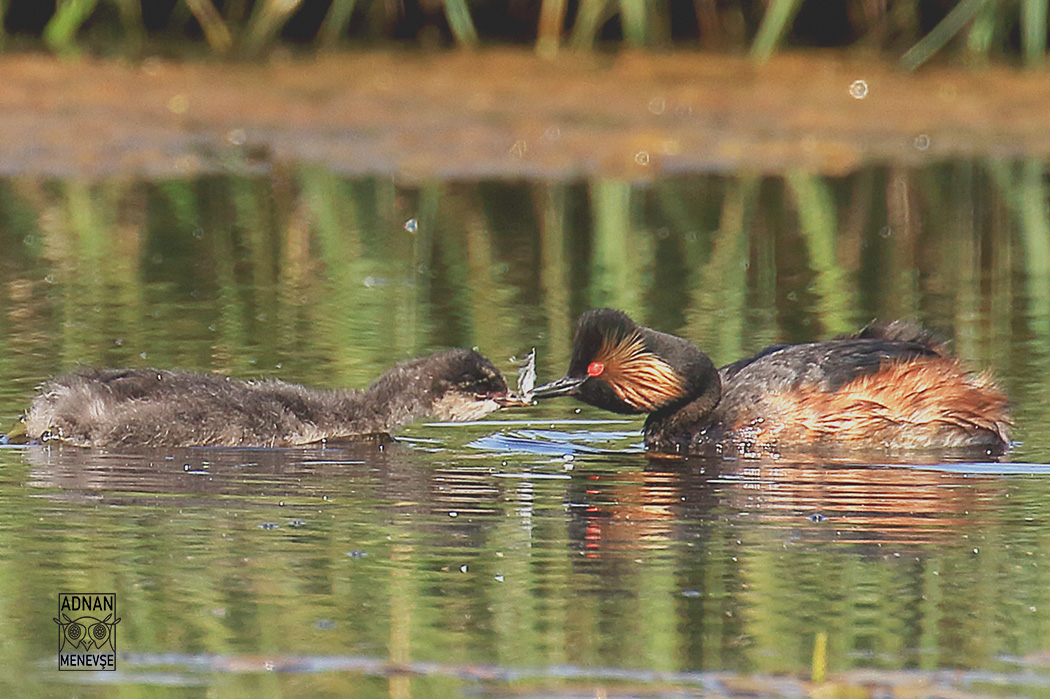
(455, 385)
(401, 395)
(672, 427)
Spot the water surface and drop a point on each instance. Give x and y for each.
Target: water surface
(540, 552)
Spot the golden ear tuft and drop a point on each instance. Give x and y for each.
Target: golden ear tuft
(637, 376)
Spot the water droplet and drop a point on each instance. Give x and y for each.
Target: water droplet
(691, 593)
(453, 513)
(187, 163)
(151, 65)
(237, 137)
(463, 568)
(885, 232)
(142, 355)
(179, 104)
(324, 624)
(499, 578)
(553, 133)
(411, 225)
(922, 142)
(657, 105)
(642, 158)
(519, 149)
(858, 89)
(268, 526)
(357, 553)
(198, 232)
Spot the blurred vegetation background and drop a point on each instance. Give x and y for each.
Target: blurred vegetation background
(911, 30)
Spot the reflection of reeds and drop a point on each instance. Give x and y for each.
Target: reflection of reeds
(316, 277)
(616, 253)
(1025, 192)
(818, 226)
(553, 271)
(720, 296)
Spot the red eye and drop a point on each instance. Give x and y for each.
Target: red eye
(595, 369)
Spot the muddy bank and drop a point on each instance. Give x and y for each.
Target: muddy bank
(507, 114)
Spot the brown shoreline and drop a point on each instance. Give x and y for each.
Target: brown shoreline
(507, 114)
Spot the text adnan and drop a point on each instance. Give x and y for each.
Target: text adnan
(87, 603)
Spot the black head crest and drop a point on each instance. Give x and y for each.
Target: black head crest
(623, 372)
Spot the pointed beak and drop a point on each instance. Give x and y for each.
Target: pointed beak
(564, 386)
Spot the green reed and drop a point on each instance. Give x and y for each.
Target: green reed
(974, 28)
(775, 23)
(961, 15)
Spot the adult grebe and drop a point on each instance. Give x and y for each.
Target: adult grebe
(887, 387)
(159, 408)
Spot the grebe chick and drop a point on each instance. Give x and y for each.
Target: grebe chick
(887, 387)
(159, 408)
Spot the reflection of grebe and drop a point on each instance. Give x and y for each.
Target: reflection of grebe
(152, 408)
(888, 387)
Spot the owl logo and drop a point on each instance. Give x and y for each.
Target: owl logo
(86, 632)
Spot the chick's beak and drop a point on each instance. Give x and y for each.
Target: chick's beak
(509, 399)
(566, 385)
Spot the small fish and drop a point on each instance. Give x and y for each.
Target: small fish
(527, 377)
